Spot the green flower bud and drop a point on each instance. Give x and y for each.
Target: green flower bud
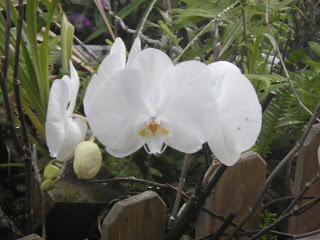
(51, 171)
(87, 160)
(47, 185)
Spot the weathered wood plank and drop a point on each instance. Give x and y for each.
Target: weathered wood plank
(141, 217)
(236, 192)
(307, 167)
(31, 237)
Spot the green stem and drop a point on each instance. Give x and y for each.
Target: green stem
(10, 165)
(144, 19)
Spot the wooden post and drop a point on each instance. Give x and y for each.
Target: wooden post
(307, 167)
(141, 217)
(236, 192)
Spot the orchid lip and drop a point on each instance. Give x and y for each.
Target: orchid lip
(154, 131)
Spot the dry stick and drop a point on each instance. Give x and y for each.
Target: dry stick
(193, 206)
(283, 199)
(42, 194)
(276, 46)
(131, 179)
(299, 196)
(104, 18)
(279, 167)
(143, 37)
(268, 100)
(186, 162)
(297, 211)
(26, 144)
(223, 227)
(4, 78)
(205, 28)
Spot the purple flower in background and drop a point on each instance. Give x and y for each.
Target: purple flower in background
(105, 3)
(80, 22)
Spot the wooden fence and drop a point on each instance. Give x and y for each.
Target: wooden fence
(143, 216)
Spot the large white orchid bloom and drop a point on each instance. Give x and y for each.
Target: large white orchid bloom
(152, 103)
(112, 63)
(63, 130)
(239, 113)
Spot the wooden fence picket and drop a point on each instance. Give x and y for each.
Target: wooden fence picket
(140, 217)
(236, 192)
(306, 168)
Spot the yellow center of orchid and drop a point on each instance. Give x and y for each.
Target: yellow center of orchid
(153, 128)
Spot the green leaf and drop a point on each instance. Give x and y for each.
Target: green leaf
(67, 31)
(315, 47)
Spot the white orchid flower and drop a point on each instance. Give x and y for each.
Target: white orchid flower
(152, 103)
(112, 63)
(64, 131)
(239, 113)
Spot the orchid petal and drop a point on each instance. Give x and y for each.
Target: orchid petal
(153, 65)
(116, 107)
(219, 149)
(58, 100)
(189, 106)
(115, 61)
(56, 113)
(238, 105)
(76, 130)
(74, 88)
(155, 144)
(135, 49)
(55, 134)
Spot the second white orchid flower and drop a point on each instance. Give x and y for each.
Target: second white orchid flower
(64, 131)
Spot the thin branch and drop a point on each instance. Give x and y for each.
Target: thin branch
(193, 206)
(297, 211)
(26, 144)
(144, 18)
(203, 30)
(130, 179)
(42, 194)
(223, 227)
(276, 171)
(299, 196)
(186, 162)
(104, 18)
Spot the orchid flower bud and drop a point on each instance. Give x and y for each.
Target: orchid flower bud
(87, 160)
(51, 171)
(47, 185)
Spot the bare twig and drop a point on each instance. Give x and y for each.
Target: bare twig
(299, 210)
(299, 196)
(186, 162)
(203, 30)
(193, 206)
(26, 144)
(42, 194)
(131, 179)
(223, 227)
(104, 18)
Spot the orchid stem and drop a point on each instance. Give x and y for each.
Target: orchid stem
(144, 19)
